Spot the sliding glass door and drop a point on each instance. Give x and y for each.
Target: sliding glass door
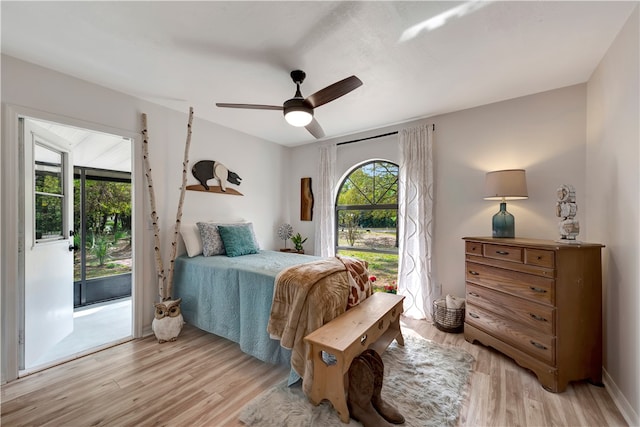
(102, 264)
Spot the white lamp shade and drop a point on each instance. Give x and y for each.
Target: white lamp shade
(510, 184)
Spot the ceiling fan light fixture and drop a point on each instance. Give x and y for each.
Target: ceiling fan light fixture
(298, 118)
(297, 113)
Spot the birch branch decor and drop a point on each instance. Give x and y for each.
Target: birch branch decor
(165, 283)
(176, 229)
(154, 213)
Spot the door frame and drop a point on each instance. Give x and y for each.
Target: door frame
(10, 271)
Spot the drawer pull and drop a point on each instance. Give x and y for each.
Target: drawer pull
(535, 316)
(473, 294)
(538, 345)
(363, 339)
(502, 252)
(538, 290)
(474, 273)
(539, 257)
(475, 316)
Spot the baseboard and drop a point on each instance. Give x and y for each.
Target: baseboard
(630, 416)
(147, 331)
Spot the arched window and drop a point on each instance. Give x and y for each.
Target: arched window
(366, 218)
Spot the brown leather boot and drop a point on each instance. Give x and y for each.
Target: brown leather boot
(387, 411)
(361, 384)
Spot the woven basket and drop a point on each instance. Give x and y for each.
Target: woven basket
(448, 319)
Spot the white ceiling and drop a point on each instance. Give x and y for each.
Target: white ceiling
(416, 59)
(90, 149)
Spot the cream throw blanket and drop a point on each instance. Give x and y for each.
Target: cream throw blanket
(306, 297)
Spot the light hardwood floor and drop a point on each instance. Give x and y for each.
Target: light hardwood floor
(204, 380)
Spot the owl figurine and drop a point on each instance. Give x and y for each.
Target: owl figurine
(168, 320)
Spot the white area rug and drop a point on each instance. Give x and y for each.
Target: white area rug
(424, 380)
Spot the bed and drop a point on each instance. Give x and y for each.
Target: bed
(232, 297)
(266, 301)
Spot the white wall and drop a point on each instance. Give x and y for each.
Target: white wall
(51, 94)
(613, 207)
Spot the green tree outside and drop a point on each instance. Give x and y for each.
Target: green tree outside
(108, 227)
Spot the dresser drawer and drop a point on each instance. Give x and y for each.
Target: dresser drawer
(507, 253)
(473, 248)
(537, 316)
(539, 257)
(530, 341)
(535, 288)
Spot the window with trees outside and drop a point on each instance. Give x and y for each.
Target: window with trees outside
(366, 220)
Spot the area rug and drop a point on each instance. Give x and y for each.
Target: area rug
(425, 380)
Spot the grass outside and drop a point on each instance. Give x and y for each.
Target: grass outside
(383, 266)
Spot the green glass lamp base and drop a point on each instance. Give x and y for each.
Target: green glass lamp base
(503, 223)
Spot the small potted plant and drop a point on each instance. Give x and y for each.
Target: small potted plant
(297, 242)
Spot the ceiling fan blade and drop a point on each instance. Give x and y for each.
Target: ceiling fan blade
(334, 91)
(250, 106)
(315, 129)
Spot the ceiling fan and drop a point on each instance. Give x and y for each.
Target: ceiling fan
(298, 111)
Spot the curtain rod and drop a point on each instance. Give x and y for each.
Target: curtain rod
(369, 137)
(373, 137)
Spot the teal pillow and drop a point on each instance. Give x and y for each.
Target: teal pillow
(238, 239)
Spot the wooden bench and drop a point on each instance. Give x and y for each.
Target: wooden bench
(374, 323)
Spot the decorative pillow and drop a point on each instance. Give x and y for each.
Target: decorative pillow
(249, 225)
(211, 241)
(191, 238)
(238, 240)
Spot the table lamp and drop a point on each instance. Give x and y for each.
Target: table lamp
(509, 184)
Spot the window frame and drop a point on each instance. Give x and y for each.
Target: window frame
(62, 196)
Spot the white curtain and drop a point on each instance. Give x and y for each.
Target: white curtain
(324, 196)
(415, 219)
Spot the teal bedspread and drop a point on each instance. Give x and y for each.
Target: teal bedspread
(231, 297)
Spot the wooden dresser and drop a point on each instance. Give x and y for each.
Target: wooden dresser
(540, 303)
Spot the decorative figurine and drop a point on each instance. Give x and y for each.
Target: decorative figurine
(167, 322)
(204, 170)
(566, 209)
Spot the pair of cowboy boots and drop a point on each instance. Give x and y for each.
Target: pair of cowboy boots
(364, 395)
